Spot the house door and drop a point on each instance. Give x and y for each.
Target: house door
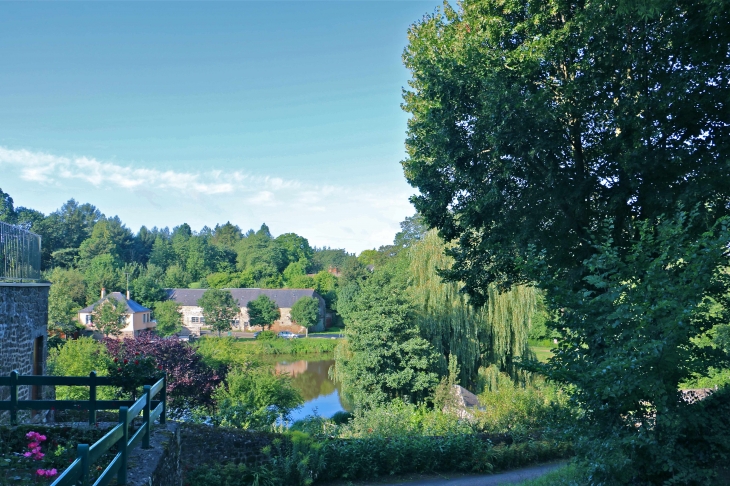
(37, 391)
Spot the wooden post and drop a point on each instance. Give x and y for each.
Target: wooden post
(82, 452)
(163, 397)
(14, 397)
(146, 417)
(122, 445)
(92, 398)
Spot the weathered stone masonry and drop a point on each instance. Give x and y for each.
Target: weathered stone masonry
(23, 319)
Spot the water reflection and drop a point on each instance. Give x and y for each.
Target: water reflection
(311, 378)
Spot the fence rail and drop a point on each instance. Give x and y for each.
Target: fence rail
(20, 254)
(79, 471)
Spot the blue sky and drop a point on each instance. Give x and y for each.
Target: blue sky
(280, 112)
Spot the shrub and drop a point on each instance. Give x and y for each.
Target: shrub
(190, 381)
(266, 336)
(254, 398)
(79, 358)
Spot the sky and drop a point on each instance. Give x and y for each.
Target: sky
(284, 113)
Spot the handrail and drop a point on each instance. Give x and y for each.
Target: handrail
(92, 405)
(87, 455)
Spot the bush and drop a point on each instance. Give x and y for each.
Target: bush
(254, 398)
(190, 381)
(514, 409)
(266, 336)
(79, 358)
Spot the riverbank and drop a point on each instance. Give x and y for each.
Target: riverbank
(277, 346)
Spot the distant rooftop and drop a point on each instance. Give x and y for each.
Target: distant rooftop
(132, 307)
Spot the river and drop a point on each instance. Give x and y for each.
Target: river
(310, 376)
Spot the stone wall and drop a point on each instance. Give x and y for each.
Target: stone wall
(160, 464)
(23, 319)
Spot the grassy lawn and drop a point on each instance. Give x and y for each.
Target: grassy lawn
(543, 353)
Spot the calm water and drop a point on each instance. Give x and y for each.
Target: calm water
(310, 377)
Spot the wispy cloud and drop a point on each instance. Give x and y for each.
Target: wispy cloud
(354, 217)
(52, 169)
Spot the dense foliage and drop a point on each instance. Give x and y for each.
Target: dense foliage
(219, 309)
(109, 317)
(582, 148)
(305, 311)
(190, 381)
(384, 356)
(262, 311)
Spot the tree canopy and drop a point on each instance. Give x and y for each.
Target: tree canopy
(582, 147)
(262, 311)
(305, 311)
(219, 309)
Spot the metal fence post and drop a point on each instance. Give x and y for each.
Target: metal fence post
(122, 445)
(163, 397)
(82, 452)
(146, 417)
(14, 397)
(92, 398)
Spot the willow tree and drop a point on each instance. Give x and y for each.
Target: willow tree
(494, 334)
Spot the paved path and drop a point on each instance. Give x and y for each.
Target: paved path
(509, 477)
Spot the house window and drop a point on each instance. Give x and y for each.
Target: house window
(193, 319)
(202, 319)
(144, 318)
(88, 318)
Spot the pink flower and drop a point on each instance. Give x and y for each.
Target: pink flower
(27, 454)
(33, 445)
(47, 472)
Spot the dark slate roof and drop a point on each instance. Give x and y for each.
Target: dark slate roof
(283, 297)
(132, 307)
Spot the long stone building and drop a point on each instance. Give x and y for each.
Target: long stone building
(193, 319)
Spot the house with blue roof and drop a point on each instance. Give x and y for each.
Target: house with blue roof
(137, 317)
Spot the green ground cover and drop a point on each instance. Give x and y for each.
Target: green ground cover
(287, 346)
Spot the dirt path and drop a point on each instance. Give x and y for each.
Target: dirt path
(507, 477)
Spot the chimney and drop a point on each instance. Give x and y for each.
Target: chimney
(103, 292)
(127, 294)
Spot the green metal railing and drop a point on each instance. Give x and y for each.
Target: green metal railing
(86, 455)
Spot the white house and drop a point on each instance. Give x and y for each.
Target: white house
(137, 317)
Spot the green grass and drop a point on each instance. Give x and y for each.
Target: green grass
(287, 346)
(542, 353)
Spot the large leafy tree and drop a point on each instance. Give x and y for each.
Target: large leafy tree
(219, 309)
(305, 311)
(109, 317)
(562, 143)
(168, 317)
(66, 296)
(7, 208)
(534, 122)
(262, 311)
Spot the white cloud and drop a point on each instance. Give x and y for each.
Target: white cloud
(355, 217)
